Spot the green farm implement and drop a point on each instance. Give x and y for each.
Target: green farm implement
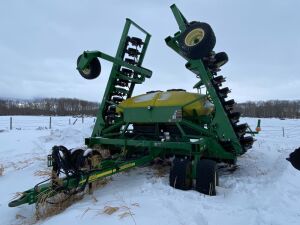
(193, 131)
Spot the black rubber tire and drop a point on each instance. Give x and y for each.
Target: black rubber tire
(203, 47)
(176, 89)
(294, 159)
(221, 59)
(207, 177)
(93, 70)
(181, 174)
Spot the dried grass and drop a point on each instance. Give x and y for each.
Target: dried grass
(39, 158)
(43, 173)
(135, 204)
(16, 195)
(45, 207)
(102, 182)
(123, 210)
(105, 153)
(126, 210)
(49, 206)
(21, 164)
(20, 217)
(1, 170)
(110, 210)
(85, 211)
(124, 214)
(160, 170)
(94, 199)
(23, 220)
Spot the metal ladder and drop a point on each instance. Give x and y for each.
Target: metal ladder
(225, 121)
(125, 74)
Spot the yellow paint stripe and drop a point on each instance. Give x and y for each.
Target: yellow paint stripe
(127, 166)
(97, 176)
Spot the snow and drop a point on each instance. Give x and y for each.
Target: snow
(264, 190)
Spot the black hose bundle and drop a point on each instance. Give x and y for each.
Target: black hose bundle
(68, 163)
(61, 160)
(73, 164)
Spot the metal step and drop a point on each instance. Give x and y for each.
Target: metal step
(247, 142)
(228, 105)
(133, 52)
(218, 80)
(223, 92)
(135, 41)
(240, 129)
(234, 117)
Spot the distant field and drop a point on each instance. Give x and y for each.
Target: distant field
(41, 122)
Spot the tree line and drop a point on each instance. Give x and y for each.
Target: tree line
(67, 106)
(271, 108)
(48, 106)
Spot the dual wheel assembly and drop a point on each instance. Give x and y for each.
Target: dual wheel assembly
(206, 177)
(197, 42)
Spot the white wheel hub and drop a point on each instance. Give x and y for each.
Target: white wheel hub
(194, 37)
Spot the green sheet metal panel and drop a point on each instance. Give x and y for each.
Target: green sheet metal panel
(152, 114)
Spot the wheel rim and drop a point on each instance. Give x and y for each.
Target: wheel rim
(86, 71)
(221, 63)
(194, 37)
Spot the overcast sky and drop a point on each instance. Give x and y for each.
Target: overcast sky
(40, 41)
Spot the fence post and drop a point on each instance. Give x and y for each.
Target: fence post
(50, 123)
(10, 123)
(74, 121)
(283, 131)
(82, 119)
(69, 121)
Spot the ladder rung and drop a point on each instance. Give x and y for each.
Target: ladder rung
(223, 92)
(126, 72)
(120, 91)
(122, 83)
(136, 41)
(133, 52)
(130, 61)
(117, 99)
(218, 80)
(234, 117)
(132, 80)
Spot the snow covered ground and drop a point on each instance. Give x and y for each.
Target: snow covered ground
(264, 190)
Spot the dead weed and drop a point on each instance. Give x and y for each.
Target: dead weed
(1, 170)
(43, 173)
(49, 205)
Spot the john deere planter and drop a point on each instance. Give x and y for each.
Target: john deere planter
(194, 131)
